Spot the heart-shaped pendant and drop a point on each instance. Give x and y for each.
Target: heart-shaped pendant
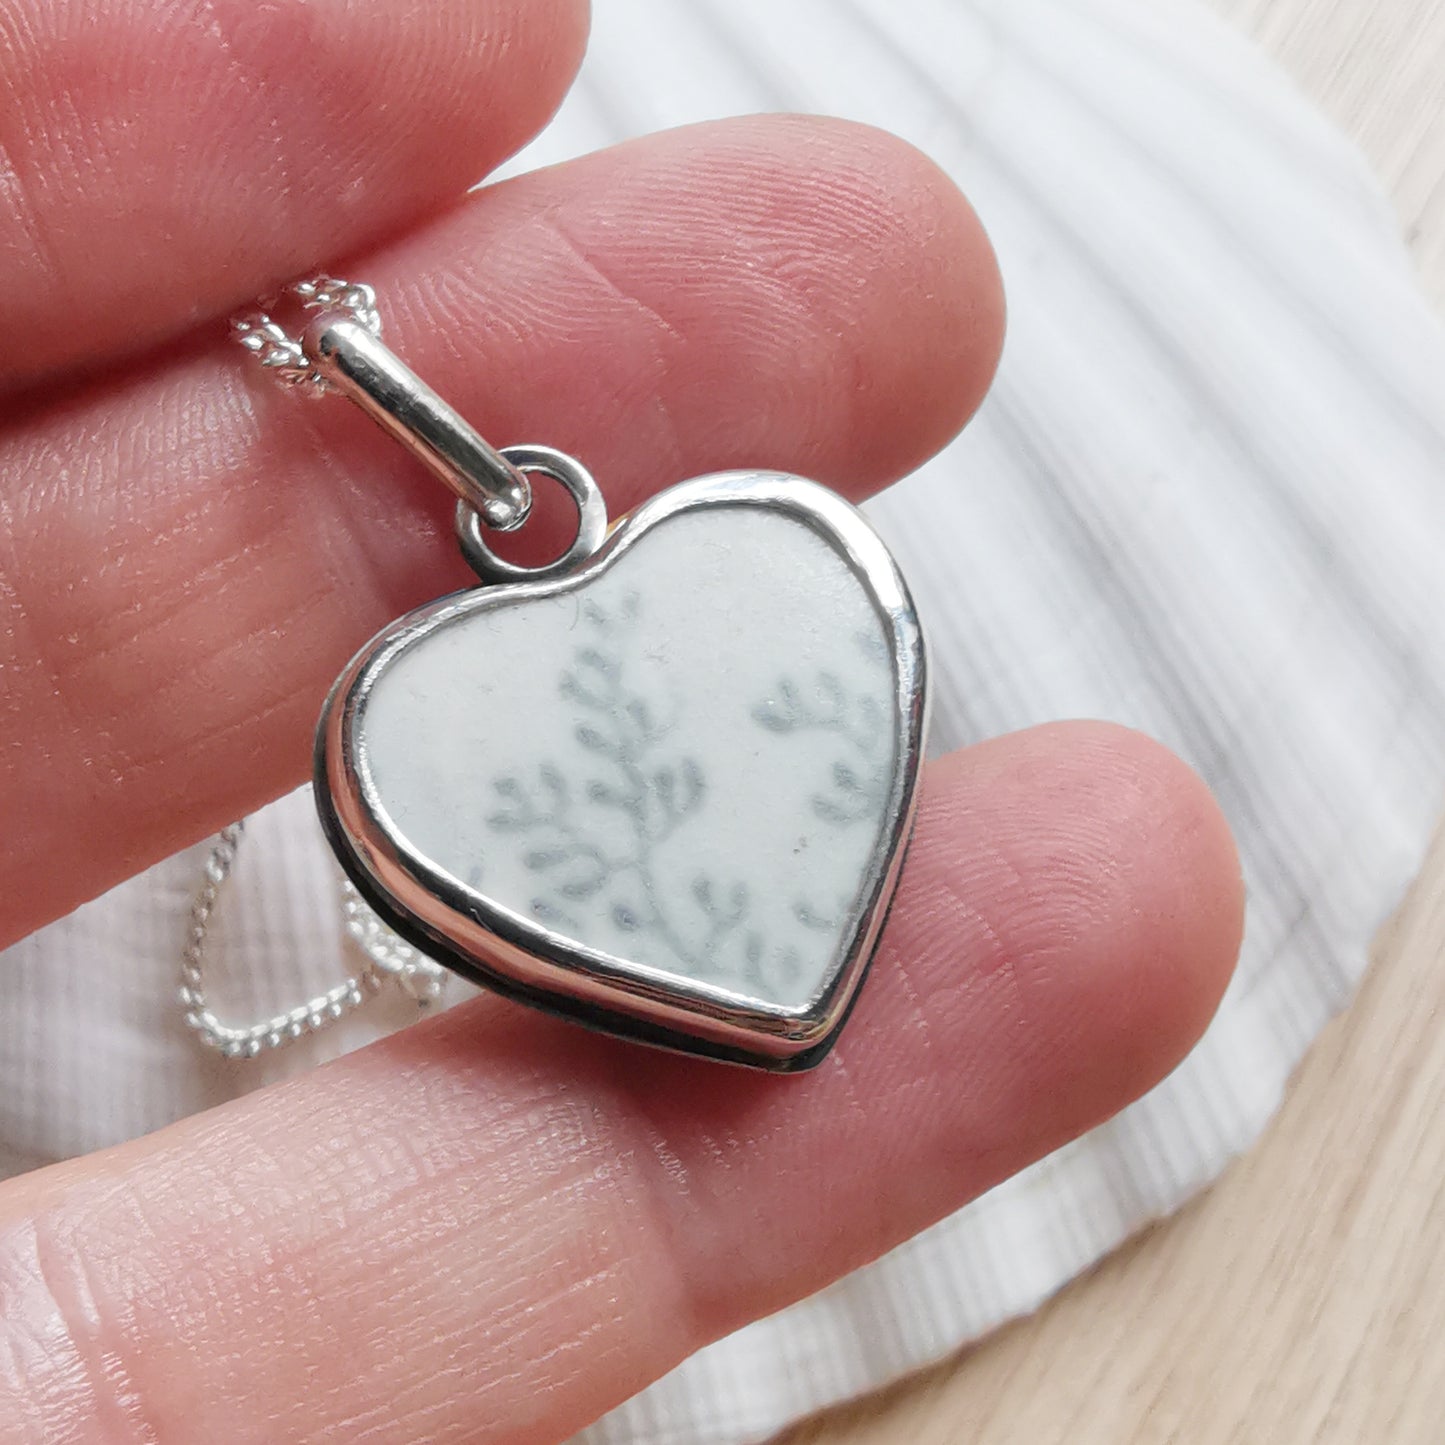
(661, 786)
(663, 789)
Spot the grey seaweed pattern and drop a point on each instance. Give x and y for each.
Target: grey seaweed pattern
(595, 843)
(858, 781)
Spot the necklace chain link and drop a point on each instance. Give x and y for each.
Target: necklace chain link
(389, 960)
(281, 353)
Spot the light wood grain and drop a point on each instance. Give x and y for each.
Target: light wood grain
(1303, 1298)
(1377, 67)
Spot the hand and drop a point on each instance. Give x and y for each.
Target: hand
(490, 1227)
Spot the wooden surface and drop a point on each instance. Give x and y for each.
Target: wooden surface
(1377, 67)
(1303, 1298)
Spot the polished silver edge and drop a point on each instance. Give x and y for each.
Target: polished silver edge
(535, 959)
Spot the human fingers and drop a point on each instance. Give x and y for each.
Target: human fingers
(163, 163)
(189, 557)
(495, 1226)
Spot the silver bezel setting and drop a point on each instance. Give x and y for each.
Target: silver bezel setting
(521, 957)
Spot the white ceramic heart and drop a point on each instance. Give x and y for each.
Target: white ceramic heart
(666, 794)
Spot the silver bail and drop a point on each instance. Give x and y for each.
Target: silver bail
(350, 358)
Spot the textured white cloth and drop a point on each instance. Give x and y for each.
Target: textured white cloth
(1207, 498)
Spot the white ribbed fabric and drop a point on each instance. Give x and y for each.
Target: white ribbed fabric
(1207, 498)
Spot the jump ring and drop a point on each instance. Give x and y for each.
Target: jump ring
(591, 520)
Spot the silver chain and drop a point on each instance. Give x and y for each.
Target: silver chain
(487, 484)
(281, 353)
(389, 960)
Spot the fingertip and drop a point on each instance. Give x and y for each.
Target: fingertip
(937, 280)
(1187, 895)
(556, 36)
(1146, 884)
(908, 270)
(1072, 911)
